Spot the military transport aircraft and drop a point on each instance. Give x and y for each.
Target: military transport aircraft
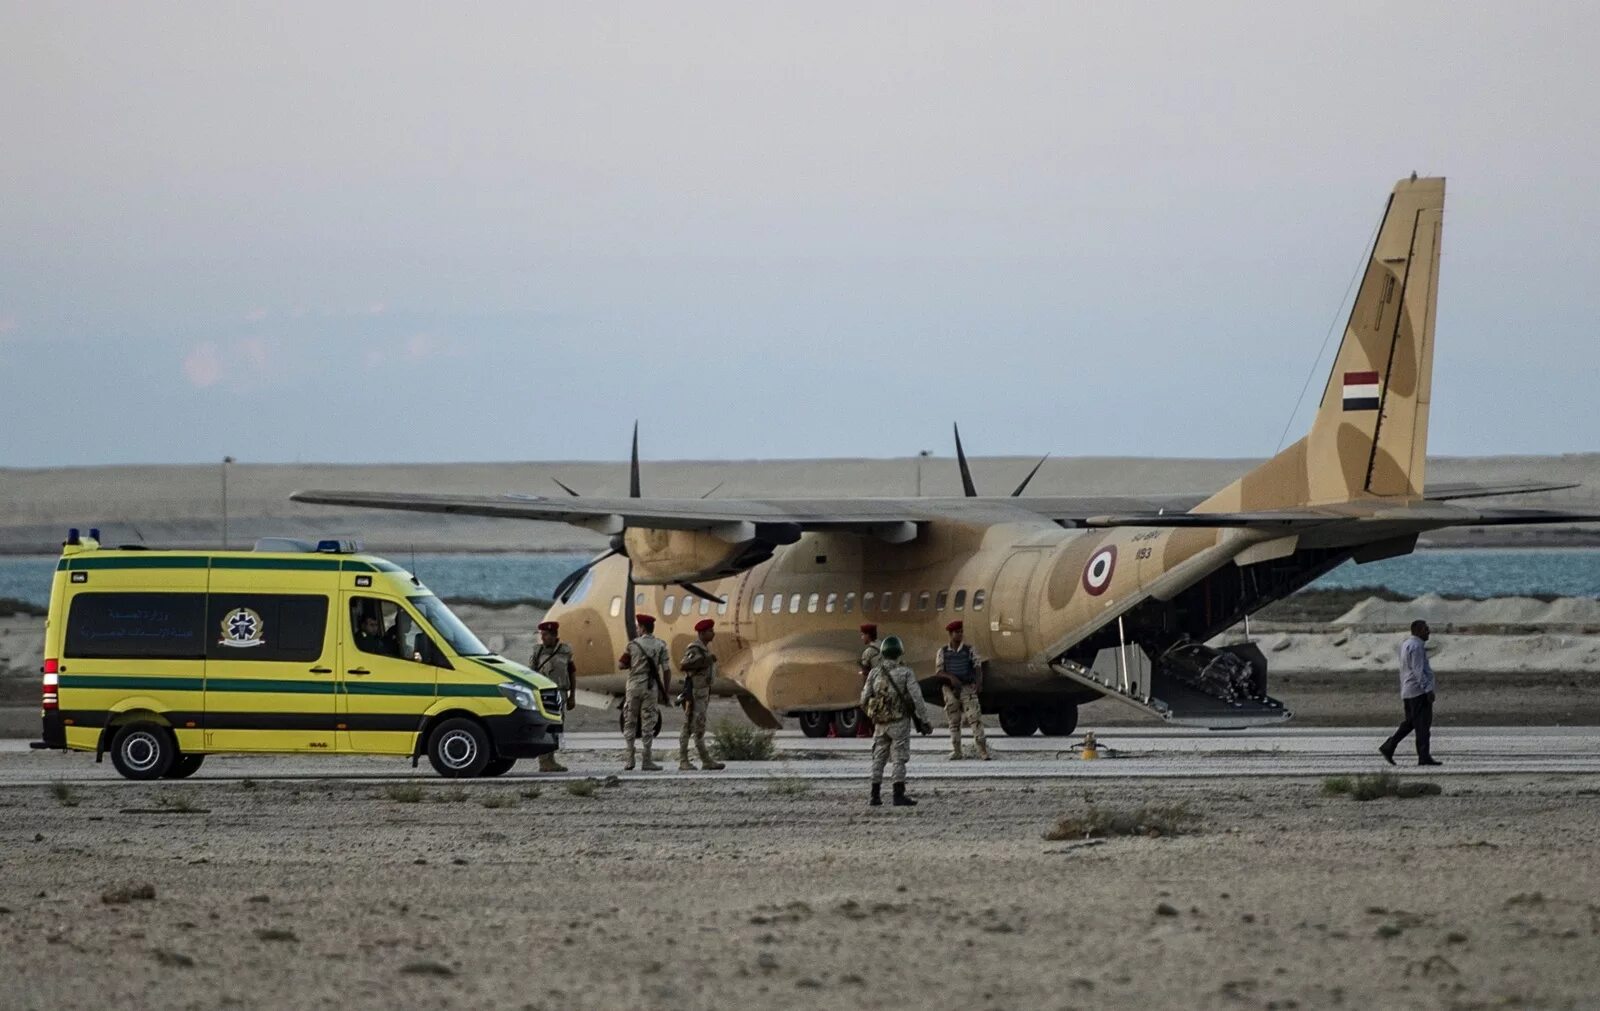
(1070, 599)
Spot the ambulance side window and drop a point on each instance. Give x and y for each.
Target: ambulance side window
(144, 626)
(266, 626)
(384, 628)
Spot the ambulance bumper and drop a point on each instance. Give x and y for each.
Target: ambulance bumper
(523, 734)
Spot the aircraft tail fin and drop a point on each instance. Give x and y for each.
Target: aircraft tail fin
(1370, 436)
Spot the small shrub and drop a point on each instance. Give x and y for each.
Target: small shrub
(275, 934)
(454, 795)
(404, 793)
(64, 793)
(248, 784)
(121, 895)
(176, 800)
(1102, 823)
(789, 786)
(497, 800)
(529, 793)
(738, 742)
(583, 787)
(1376, 785)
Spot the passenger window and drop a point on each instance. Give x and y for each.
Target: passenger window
(794, 604)
(384, 628)
(666, 606)
(266, 626)
(905, 601)
(941, 600)
(616, 606)
(759, 603)
(961, 599)
(638, 600)
(777, 603)
(977, 600)
(888, 601)
(705, 608)
(867, 600)
(849, 602)
(152, 626)
(922, 600)
(811, 603)
(722, 606)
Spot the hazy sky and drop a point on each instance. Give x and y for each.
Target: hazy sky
(364, 232)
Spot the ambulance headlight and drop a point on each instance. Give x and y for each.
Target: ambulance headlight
(519, 695)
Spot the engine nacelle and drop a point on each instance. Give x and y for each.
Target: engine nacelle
(662, 557)
(792, 677)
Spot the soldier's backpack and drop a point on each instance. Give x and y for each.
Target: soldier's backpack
(885, 702)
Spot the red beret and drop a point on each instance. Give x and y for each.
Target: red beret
(644, 619)
(869, 629)
(704, 625)
(549, 626)
(954, 626)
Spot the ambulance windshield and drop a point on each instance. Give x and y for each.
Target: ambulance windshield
(457, 634)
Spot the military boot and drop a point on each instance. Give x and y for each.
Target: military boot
(877, 795)
(647, 765)
(548, 763)
(955, 748)
(684, 765)
(900, 798)
(627, 756)
(706, 761)
(983, 750)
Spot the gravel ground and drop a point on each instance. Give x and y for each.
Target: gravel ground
(791, 894)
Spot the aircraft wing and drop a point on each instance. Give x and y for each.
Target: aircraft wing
(1425, 515)
(860, 515)
(1450, 492)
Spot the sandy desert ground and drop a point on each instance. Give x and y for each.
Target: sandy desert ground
(672, 895)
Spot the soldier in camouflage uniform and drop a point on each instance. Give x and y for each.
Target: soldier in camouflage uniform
(961, 670)
(893, 700)
(553, 659)
(699, 670)
(641, 710)
(870, 653)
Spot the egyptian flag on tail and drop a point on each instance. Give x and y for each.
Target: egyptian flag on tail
(1361, 391)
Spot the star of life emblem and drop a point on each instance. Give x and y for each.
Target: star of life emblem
(242, 627)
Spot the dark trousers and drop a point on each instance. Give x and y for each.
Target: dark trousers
(1419, 718)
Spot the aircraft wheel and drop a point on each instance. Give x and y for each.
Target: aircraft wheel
(184, 767)
(815, 724)
(846, 721)
(1059, 721)
(1018, 721)
(499, 766)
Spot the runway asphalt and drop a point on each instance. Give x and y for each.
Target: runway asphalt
(1155, 753)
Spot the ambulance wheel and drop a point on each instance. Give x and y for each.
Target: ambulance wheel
(499, 766)
(1018, 721)
(815, 724)
(184, 767)
(143, 750)
(845, 722)
(458, 748)
(1059, 721)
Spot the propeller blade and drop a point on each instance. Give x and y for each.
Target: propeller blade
(629, 610)
(702, 594)
(714, 487)
(570, 581)
(564, 487)
(1035, 470)
(633, 467)
(967, 487)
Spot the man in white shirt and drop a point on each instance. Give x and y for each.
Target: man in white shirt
(1416, 694)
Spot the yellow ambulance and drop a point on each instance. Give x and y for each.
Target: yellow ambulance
(163, 657)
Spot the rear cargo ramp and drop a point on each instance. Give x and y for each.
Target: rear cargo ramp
(1188, 684)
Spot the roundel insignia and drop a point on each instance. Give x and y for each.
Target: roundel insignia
(1097, 574)
(242, 627)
